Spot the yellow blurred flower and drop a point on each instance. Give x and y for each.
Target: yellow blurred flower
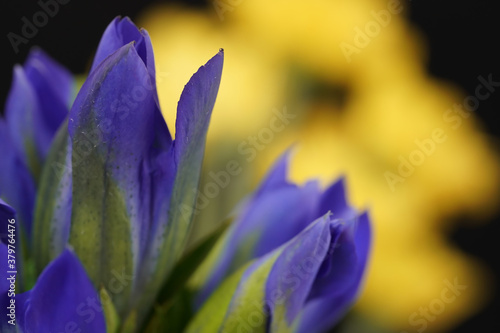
(364, 108)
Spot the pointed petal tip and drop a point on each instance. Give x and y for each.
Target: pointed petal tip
(36, 53)
(216, 60)
(342, 178)
(364, 223)
(125, 20)
(277, 175)
(17, 71)
(68, 285)
(290, 152)
(340, 184)
(285, 159)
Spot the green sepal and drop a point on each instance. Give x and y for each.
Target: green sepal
(100, 227)
(47, 225)
(110, 314)
(237, 305)
(248, 306)
(211, 315)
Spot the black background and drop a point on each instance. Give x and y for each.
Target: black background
(463, 43)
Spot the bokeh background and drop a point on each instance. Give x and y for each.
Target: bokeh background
(350, 118)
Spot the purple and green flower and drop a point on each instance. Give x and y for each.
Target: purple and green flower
(99, 189)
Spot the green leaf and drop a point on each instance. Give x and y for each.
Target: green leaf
(175, 301)
(190, 263)
(174, 315)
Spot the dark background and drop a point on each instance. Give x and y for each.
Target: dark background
(463, 43)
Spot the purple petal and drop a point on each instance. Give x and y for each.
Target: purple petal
(113, 39)
(54, 86)
(313, 279)
(294, 272)
(270, 221)
(363, 240)
(277, 176)
(60, 300)
(172, 223)
(121, 32)
(334, 200)
(56, 79)
(340, 277)
(120, 144)
(195, 108)
(277, 212)
(193, 115)
(22, 113)
(120, 121)
(294, 217)
(16, 184)
(37, 104)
